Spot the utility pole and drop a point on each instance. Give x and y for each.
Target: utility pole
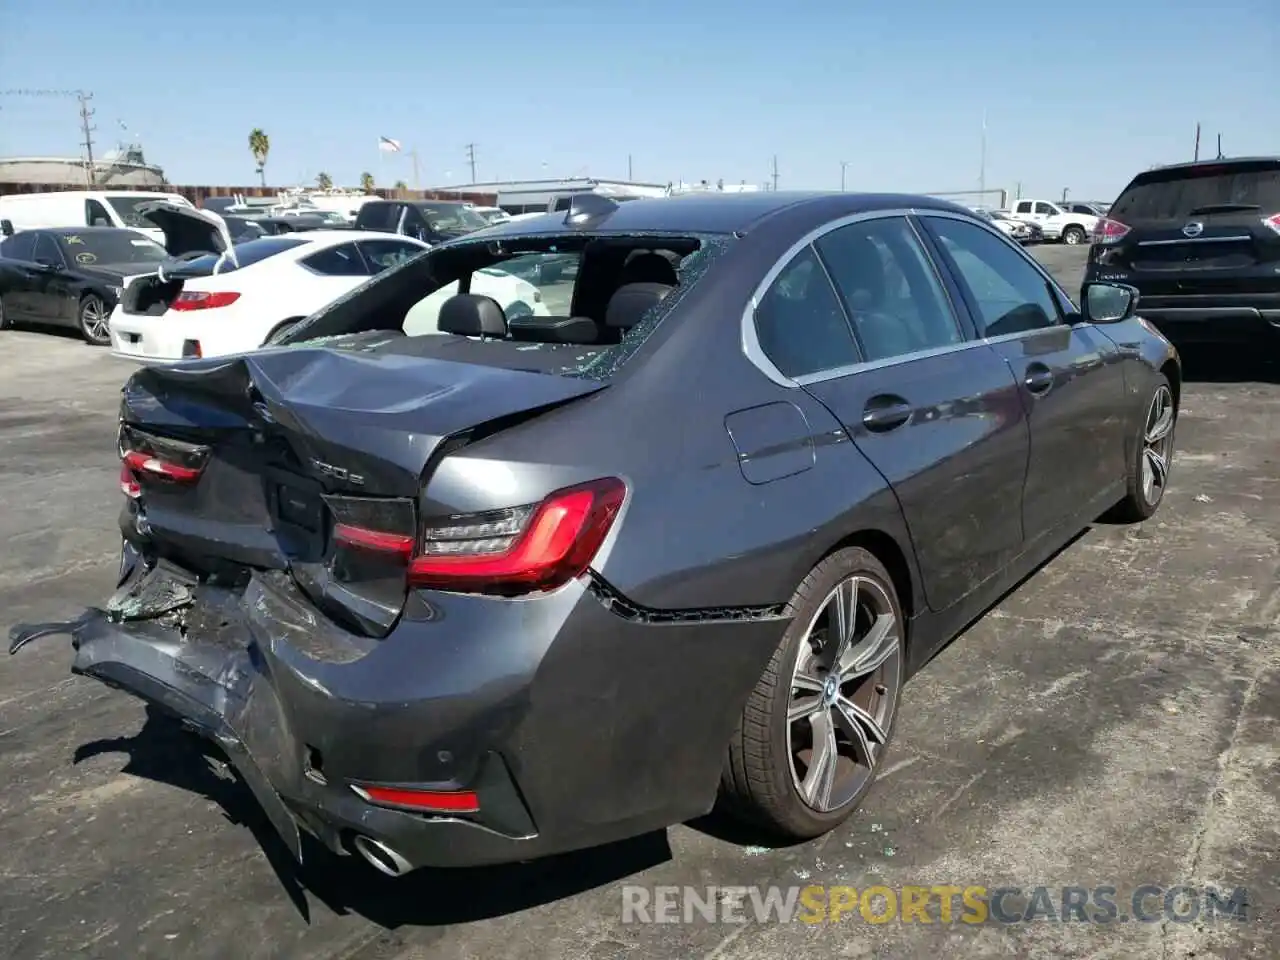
(630, 175)
(1196, 156)
(1065, 191)
(471, 160)
(843, 165)
(775, 173)
(1219, 146)
(413, 154)
(982, 163)
(85, 116)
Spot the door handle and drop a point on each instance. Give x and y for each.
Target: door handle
(884, 413)
(1038, 378)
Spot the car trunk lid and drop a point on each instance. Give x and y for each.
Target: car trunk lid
(188, 233)
(261, 462)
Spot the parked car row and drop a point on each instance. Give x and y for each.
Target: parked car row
(145, 289)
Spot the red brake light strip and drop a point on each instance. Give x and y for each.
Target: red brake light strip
(153, 466)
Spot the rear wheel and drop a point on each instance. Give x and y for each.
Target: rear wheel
(280, 329)
(1073, 235)
(819, 721)
(94, 320)
(1149, 474)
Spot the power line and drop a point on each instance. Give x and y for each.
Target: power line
(471, 160)
(85, 116)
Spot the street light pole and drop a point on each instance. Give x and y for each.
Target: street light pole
(843, 165)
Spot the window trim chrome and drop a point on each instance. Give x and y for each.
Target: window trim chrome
(750, 338)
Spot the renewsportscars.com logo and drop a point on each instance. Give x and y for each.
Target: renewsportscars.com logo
(937, 903)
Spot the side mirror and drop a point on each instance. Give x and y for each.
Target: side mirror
(1108, 302)
(6, 228)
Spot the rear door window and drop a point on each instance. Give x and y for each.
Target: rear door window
(1175, 194)
(47, 250)
(385, 254)
(1044, 208)
(343, 260)
(889, 288)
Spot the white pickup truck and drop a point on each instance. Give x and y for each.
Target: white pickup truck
(1057, 223)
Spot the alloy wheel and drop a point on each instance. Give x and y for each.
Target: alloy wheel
(94, 320)
(1157, 444)
(844, 690)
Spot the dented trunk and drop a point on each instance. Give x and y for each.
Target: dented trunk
(289, 460)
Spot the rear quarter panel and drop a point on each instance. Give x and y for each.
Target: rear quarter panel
(694, 532)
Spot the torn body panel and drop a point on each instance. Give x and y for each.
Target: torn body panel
(543, 707)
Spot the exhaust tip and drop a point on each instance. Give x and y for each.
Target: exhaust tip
(381, 857)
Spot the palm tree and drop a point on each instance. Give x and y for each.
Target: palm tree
(366, 182)
(260, 146)
(401, 187)
(324, 181)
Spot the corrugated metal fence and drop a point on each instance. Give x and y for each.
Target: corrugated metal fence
(198, 194)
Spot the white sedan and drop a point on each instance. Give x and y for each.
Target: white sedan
(234, 301)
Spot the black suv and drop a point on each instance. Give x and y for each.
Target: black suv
(1201, 243)
(432, 221)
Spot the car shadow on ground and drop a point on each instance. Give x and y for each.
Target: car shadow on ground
(163, 751)
(1219, 364)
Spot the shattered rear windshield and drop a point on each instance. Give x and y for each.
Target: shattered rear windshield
(554, 291)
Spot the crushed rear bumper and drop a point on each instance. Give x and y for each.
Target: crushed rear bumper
(575, 717)
(220, 661)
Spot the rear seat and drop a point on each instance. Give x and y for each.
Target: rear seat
(553, 329)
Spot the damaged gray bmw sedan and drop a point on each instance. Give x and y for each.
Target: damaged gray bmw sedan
(450, 587)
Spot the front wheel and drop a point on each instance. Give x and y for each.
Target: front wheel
(1149, 473)
(4, 320)
(819, 721)
(519, 311)
(1073, 236)
(94, 321)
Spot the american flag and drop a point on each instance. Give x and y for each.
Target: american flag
(387, 145)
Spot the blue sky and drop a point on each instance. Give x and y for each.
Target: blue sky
(1079, 95)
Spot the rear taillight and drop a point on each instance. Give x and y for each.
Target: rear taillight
(129, 485)
(1272, 221)
(522, 549)
(1110, 231)
(148, 466)
(537, 547)
(202, 300)
(144, 456)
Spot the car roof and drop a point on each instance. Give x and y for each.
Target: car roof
(89, 231)
(339, 236)
(718, 212)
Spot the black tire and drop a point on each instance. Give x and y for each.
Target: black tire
(92, 318)
(1074, 235)
(1142, 498)
(4, 317)
(762, 784)
(280, 328)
